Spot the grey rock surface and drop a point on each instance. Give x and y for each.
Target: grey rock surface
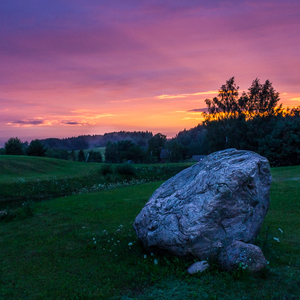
(199, 266)
(242, 255)
(203, 209)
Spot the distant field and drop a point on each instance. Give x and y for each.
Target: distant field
(29, 167)
(84, 247)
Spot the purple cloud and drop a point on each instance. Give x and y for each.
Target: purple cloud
(71, 123)
(28, 122)
(198, 110)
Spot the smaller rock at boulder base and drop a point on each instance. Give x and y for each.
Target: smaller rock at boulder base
(242, 255)
(199, 266)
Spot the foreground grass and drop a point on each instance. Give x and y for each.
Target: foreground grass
(84, 247)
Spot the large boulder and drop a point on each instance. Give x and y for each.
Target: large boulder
(205, 209)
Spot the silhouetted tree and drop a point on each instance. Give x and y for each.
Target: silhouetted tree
(176, 151)
(36, 148)
(111, 153)
(226, 103)
(94, 157)
(72, 155)
(123, 151)
(282, 143)
(156, 144)
(81, 156)
(14, 147)
(260, 99)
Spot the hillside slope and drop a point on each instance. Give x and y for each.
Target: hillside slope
(29, 167)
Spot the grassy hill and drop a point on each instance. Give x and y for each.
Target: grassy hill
(25, 178)
(83, 247)
(30, 167)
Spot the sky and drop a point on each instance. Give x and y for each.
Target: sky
(79, 67)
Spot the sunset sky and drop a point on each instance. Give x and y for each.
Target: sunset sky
(76, 67)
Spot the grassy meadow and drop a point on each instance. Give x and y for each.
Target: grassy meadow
(27, 178)
(83, 246)
(14, 168)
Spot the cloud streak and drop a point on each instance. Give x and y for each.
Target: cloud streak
(198, 110)
(186, 95)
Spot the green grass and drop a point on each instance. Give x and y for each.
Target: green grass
(14, 168)
(31, 168)
(24, 178)
(78, 247)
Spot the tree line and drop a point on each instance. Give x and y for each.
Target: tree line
(253, 121)
(115, 152)
(94, 141)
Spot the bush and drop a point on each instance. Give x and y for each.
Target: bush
(7, 215)
(23, 212)
(125, 169)
(106, 169)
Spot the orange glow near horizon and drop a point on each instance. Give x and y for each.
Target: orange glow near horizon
(138, 116)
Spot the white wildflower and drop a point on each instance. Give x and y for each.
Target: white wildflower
(276, 239)
(155, 261)
(130, 244)
(145, 256)
(95, 242)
